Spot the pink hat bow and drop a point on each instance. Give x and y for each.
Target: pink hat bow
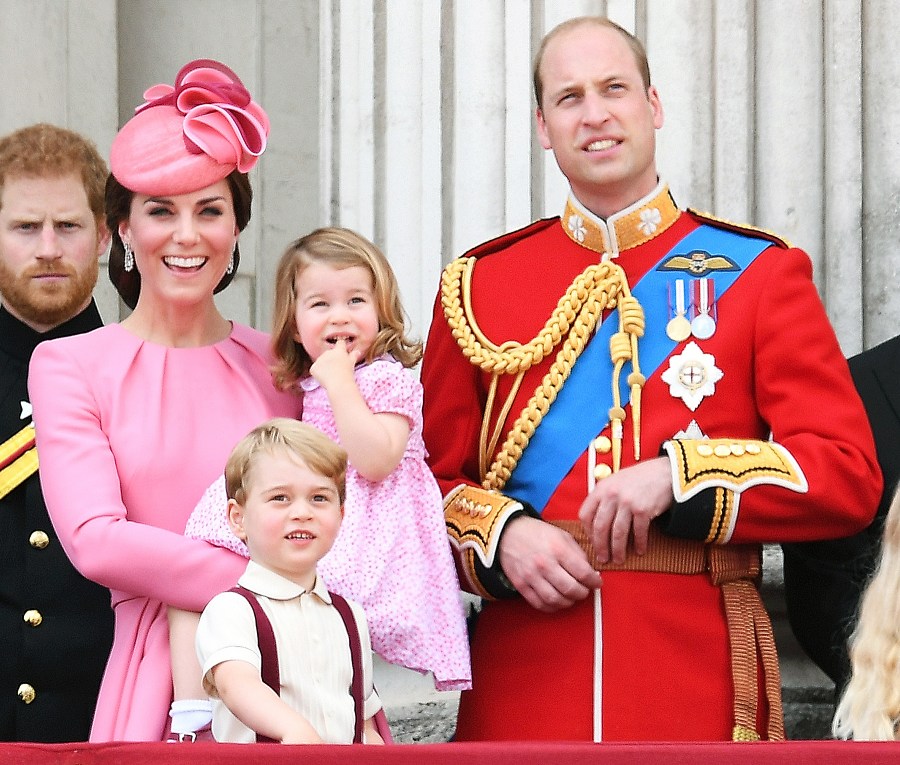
(190, 135)
(220, 118)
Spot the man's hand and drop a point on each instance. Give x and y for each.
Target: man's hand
(623, 505)
(545, 564)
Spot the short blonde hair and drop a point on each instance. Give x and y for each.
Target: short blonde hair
(295, 439)
(339, 248)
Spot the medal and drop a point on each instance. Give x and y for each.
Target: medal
(678, 327)
(703, 325)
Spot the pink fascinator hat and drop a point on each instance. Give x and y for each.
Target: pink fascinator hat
(192, 135)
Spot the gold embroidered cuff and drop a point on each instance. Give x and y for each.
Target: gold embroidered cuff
(475, 518)
(732, 464)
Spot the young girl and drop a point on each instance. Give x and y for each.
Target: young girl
(339, 334)
(870, 707)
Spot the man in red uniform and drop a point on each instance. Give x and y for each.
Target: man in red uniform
(641, 391)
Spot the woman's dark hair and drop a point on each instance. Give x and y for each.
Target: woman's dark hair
(118, 206)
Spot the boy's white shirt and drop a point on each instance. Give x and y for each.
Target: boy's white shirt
(313, 653)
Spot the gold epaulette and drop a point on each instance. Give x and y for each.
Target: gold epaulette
(740, 228)
(475, 518)
(731, 464)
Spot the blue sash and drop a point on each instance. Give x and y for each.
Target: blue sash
(580, 411)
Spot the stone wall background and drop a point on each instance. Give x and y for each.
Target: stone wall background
(411, 120)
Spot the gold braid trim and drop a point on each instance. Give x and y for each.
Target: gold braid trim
(15, 473)
(18, 459)
(600, 287)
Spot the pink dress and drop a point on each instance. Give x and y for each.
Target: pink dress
(130, 434)
(392, 554)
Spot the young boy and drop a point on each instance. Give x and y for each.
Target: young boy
(285, 483)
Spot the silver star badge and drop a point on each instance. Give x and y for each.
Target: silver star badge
(692, 375)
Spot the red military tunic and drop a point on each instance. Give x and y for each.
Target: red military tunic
(648, 657)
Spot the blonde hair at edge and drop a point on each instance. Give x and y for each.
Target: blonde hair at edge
(339, 248)
(282, 435)
(870, 707)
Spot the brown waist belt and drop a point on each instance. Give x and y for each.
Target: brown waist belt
(733, 568)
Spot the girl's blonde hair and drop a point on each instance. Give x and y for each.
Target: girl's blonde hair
(870, 707)
(339, 248)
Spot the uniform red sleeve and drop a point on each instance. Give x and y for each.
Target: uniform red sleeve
(804, 393)
(452, 409)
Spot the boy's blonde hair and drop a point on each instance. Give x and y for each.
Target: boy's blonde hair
(870, 707)
(282, 435)
(339, 248)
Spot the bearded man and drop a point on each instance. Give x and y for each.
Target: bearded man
(56, 626)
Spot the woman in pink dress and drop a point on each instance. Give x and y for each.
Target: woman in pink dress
(134, 420)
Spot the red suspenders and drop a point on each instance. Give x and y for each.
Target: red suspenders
(269, 652)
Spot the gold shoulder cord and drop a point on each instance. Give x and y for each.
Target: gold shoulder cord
(600, 287)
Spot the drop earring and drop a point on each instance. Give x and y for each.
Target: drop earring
(129, 256)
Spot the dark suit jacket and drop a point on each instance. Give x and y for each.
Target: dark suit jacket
(823, 581)
(62, 656)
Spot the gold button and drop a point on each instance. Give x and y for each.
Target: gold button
(602, 471)
(33, 617)
(722, 450)
(39, 540)
(704, 450)
(752, 449)
(26, 693)
(602, 444)
(737, 449)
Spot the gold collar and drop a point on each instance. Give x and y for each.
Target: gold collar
(645, 219)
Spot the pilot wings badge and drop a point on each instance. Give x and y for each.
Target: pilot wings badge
(698, 263)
